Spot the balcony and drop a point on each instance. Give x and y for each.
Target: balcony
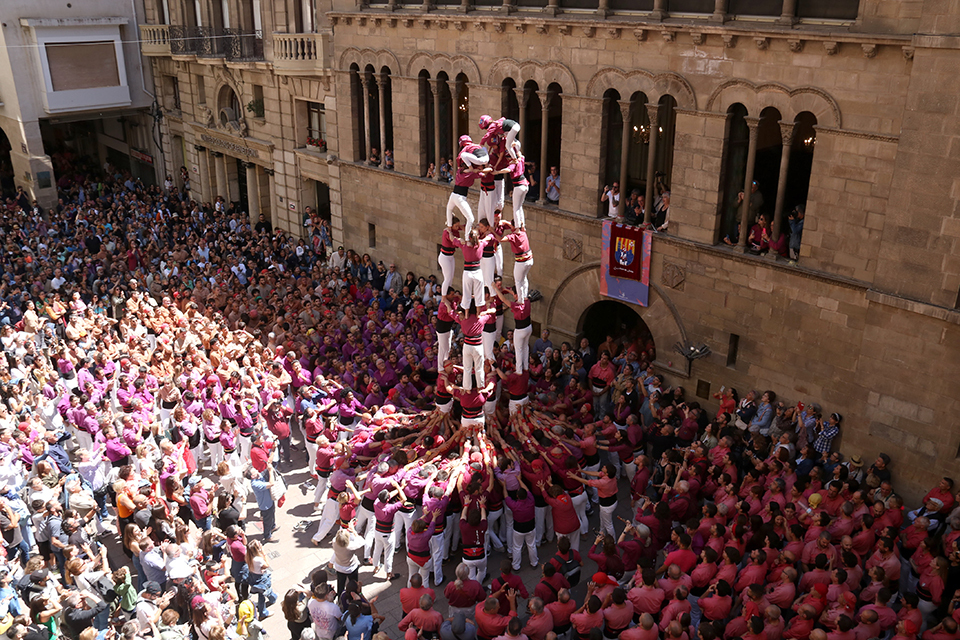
(155, 39)
(208, 42)
(302, 53)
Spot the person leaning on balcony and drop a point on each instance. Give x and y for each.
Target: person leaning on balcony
(756, 200)
(795, 218)
(374, 157)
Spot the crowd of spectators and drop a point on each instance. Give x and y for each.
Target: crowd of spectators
(163, 357)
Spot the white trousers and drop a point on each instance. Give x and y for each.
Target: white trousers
(521, 539)
(543, 523)
(516, 405)
(574, 539)
(424, 571)
(448, 267)
(519, 195)
(472, 364)
(511, 138)
(457, 201)
(489, 339)
(606, 519)
(521, 347)
(384, 547)
(492, 537)
(320, 492)
(580, 506)
(486, 209)
(365, 524)
(328, 518)
(472, 288)
(438, 543)
(401, 524)
(477, 568)
(488, 269)
(520, 272)
(444, 340)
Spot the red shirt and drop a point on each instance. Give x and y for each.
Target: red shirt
(716, 607)
(410, 597)
(683, 558)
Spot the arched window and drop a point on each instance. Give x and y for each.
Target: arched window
(359, 115)
(509, 104)
(801, 159)
(427, 128)
(766, 170)
(461, 104)
(667, 130)
(228, 106)
(638, 155)
(554, 127)
(372, 106)
(736, 144)
(613, 142)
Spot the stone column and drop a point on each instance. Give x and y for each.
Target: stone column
(382, 87)
(788, 14)
(653, 111)
(786, 134)
(204, 168)
(752, 124)
(220, 165)
(545, 97)
(522, 98)
(253, 191)
(603, 8)
(368, 143)
(454, 115)
(624, 152)
(659, 9)
(435, 84)
(552, 8)
(719, 11)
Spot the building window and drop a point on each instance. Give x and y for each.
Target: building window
(171, 93)
(372, 235)
(317, 122)
(201, 91)
(732, 348)
(256, 106)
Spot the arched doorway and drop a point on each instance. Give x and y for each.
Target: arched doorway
(609, 319)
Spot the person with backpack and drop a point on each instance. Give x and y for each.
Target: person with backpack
(567, 561)
(551, 582)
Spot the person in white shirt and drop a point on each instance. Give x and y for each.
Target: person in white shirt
(611, 195)
(338, 259)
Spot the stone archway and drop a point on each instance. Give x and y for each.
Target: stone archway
(581, 289)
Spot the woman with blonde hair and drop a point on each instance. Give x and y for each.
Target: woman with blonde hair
(260, 577)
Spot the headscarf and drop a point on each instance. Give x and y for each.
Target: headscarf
(245, 615)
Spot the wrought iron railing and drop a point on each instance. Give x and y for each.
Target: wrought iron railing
(209, 42)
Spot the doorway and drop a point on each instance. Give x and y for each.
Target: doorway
(609, 319)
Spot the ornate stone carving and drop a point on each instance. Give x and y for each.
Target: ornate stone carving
(521, 28)
(443, 24)
(423, 24)
(347, 20)
(697, 38)
(762, 43)
(565, 29)
(408, 22)
(542, 29)
(673, 276)
(640, 35)
(362, 21)
(869, 50)
(480, 26)
(377, 22)
(729, 41)
(908, 53)
(827, 111)
(831, 47)
(392, 22)
(668, 36)
(572, 246)
(795, 45)
(458, 25)
(613, 32)
(589, 31)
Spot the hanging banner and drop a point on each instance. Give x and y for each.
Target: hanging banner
(625, 258)
(625, 263)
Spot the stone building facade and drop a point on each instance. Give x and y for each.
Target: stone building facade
(846, 108)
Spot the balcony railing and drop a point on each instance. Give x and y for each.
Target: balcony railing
(208, 42)
(301, 52)
(155, 39)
